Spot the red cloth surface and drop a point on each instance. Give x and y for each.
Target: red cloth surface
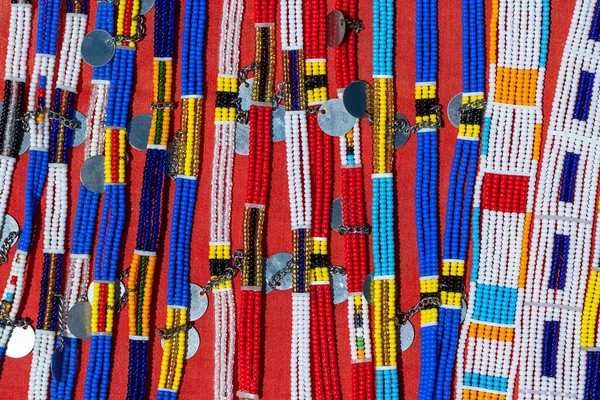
(198, 373)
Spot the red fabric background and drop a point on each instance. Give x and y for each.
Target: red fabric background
(198, 381)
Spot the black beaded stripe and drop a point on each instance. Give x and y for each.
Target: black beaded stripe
(472, 116)
(263, 65)
(251, 256)
(452, 284)
(429, 296)
(425, 107)
(316, 81)
(318, 260)
(218, 266)
(12, 135)
(226, 99)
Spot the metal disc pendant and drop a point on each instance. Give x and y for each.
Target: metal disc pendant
(454, 110)
(57, 365)
(278, 124)
(79, 132)
(25, 143)
(406, 336)
(333, 118)
(336, 215)
(138, 131)
(367, 287)
(10, 225)
(245, 94)
(92, 174)
(146, 6)
(358, 99)
(198, 302)
(79, 320)
(400, 135)
(339, 288)
(120, 288)
(21, 342)
(242, 139)
(98, 48)
(192, 343)
(463, 310)
(336, 28)
(274, 264)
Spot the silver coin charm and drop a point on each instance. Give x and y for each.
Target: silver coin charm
(358, 99)
(198, 302)
(79, 132)
(21, 342)
(406, 336)
(245, 94)
(25, 143)
(339, 288)
(333, 118)
(10, 225)
(400, 135)
(57, 365)
(454, 110)
(242, 139)
(98, 48)
(463, 310)
(139, 130)
(278, 124)
(336, 215)
(367, 284)
(336, 28)
(192, 342)
(146, 6)
(79, 320)
(92, 174)
(274, 264)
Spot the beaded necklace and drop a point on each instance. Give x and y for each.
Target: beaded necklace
(62, 387)
(298, 169)
(220, 200)
(250, 332)
(187, 166)
(57, 197)
(460, 193)
(354, 214)
(325, 369)
(503, 204)
(141, 273)
(554, 347)
(384, 281)
(113, 212)
(38, 124)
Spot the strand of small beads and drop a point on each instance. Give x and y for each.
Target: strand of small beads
(57, 197)
(557, 353)
(220, 199)
(187, 164)
(354, 214)
(128, 31)
(84, 229)
(140, 283)
(250, 333)
(298, 169)
(383, 288)
(325, 369)
(503, 201)
(38, 125)
(460, 193)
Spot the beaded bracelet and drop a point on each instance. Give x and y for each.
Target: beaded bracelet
(57, 199)
(250, 333)
(113, 210)
(140, 283)
(460, 194)
(86, 213)
(38, 124)
(557, 355)
(187, 166)
(324, 366)
(503, 201)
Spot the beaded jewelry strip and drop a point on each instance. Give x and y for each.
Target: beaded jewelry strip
(503, 204)
(250, 334)
(554, 347)
(460, 193)
(113, 212)
(140, 283)
(187, 168)
(220, 200)
(354, 214)
(383, 288)
(85, 222)
(57, 198)
(298, 170)
(325, 369)
(38, 124)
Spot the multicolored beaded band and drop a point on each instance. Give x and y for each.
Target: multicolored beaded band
(250, 333)
(187, 167)
(140, 283)
(113, 211)
(460, 194)
(503, 201)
